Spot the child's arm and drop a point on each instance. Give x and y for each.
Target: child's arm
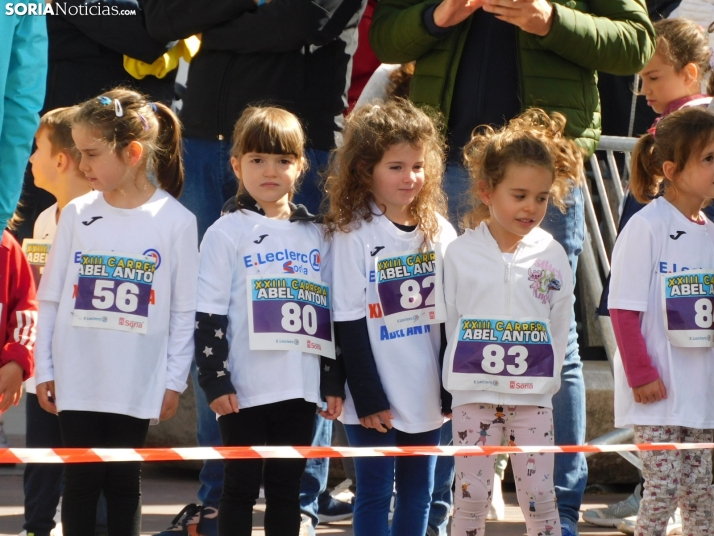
(184, 277)
(16, 354)
(561, 310)
(642, 376)
(215, 279)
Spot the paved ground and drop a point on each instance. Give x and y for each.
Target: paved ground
(167, 489)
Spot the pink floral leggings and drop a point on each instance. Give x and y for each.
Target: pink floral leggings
(486, 424)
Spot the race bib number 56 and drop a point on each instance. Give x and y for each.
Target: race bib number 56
(290, 313)
(410, 289)
(502, 355)
(114, 291)
(688, 299)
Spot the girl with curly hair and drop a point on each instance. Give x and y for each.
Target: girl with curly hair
(385, 199)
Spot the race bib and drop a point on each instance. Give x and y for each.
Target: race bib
(290, 313)
(688, 299)
(114, 291)
(36, 252)
(410, 290)
(504, 355)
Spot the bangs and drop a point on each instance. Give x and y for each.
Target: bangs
(269, 131)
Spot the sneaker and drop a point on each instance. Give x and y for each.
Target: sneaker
(613, 515)
(3, 438)
(568, 528)
(208, 521)
(330, 509)
(497, 510)
(674, 526)
(188, 517)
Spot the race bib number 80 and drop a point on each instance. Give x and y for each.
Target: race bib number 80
(290, 313)
(502, 355)
(114, 291)
(688, 300)
(410, 289)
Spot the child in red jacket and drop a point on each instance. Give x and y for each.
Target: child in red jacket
(18, 318)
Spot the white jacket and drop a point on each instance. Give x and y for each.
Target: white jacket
(479, 281)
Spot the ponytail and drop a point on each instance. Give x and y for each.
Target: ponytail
(647, 175)
(168, 159)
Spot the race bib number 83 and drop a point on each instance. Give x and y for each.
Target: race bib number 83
(114, 291)
(688, 300)
(502, 355)
(290, 313)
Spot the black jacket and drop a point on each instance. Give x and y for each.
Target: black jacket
(86, 54)
(291, 53)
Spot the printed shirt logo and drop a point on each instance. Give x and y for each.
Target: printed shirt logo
(154, 254)
(260, 239)
(92, 220)
(376, 250)
(544, 278)
(676, 235)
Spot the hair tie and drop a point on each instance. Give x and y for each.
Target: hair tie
(104, 101)
(153, 107)
(144, 121)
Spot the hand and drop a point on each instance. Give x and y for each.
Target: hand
(334, 408)
(46, 397)
(532, 16)
(452, 12)
(650, 392)
(10, 385)
(223, 405)
(169, 405)
(379, 421)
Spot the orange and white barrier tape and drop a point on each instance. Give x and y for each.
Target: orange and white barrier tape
(79, 455)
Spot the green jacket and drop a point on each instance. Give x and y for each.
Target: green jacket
(558, 71)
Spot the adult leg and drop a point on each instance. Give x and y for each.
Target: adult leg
(122, 481)
(571, 470)
(375, 477)
(442, 497)
(314, 479)
(42, 482)
(311, 191)
(291, 422)
(661, 470)
(241, 478)
(414, 477)
(83, 481)
(456, 185)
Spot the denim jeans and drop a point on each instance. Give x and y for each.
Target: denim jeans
(376, 477)
(311, 191)
(314, 479)
(209, 183)
(571, 470)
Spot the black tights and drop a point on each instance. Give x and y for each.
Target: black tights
(120, 481)
(289, 422)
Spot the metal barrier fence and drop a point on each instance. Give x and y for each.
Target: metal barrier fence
(594, 261)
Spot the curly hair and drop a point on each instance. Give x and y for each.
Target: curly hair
(532, 139)
(369, 132)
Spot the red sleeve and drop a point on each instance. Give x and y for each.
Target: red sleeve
(633, 350)
(21, 310)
